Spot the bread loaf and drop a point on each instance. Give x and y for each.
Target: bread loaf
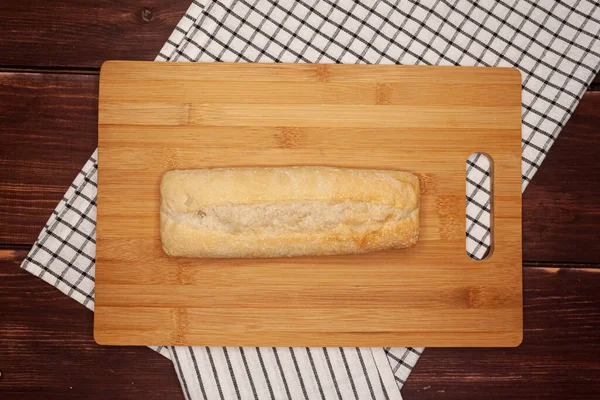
(287, 211)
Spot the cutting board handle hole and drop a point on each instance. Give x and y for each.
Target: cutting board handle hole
(479, 227)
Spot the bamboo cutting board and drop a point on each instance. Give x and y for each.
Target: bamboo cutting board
(155, 117)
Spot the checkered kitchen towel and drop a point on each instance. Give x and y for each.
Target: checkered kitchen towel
(554, 44)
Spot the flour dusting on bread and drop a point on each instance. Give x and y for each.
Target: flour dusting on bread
(287, 211)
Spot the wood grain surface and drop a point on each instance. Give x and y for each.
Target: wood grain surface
(65, 34)
(557, 360)
(37, 125)
(48, 350)
(48, 126)
(561, 217)
(229, 115)
(34, 365)
(544, 368)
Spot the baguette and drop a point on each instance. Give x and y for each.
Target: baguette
(287, 211)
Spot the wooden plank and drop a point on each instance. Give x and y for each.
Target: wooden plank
(48, 350)
(84, 33)
(49, 129)
(43, 114)
(561, 211)
(481, 308)
(557, 360)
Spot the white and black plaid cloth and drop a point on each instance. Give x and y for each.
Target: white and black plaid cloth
(553, 43)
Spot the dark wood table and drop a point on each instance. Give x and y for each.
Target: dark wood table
(49, 62)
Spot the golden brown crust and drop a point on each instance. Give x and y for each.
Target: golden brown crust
(287, 211)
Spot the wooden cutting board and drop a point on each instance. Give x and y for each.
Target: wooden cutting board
(155, 117)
